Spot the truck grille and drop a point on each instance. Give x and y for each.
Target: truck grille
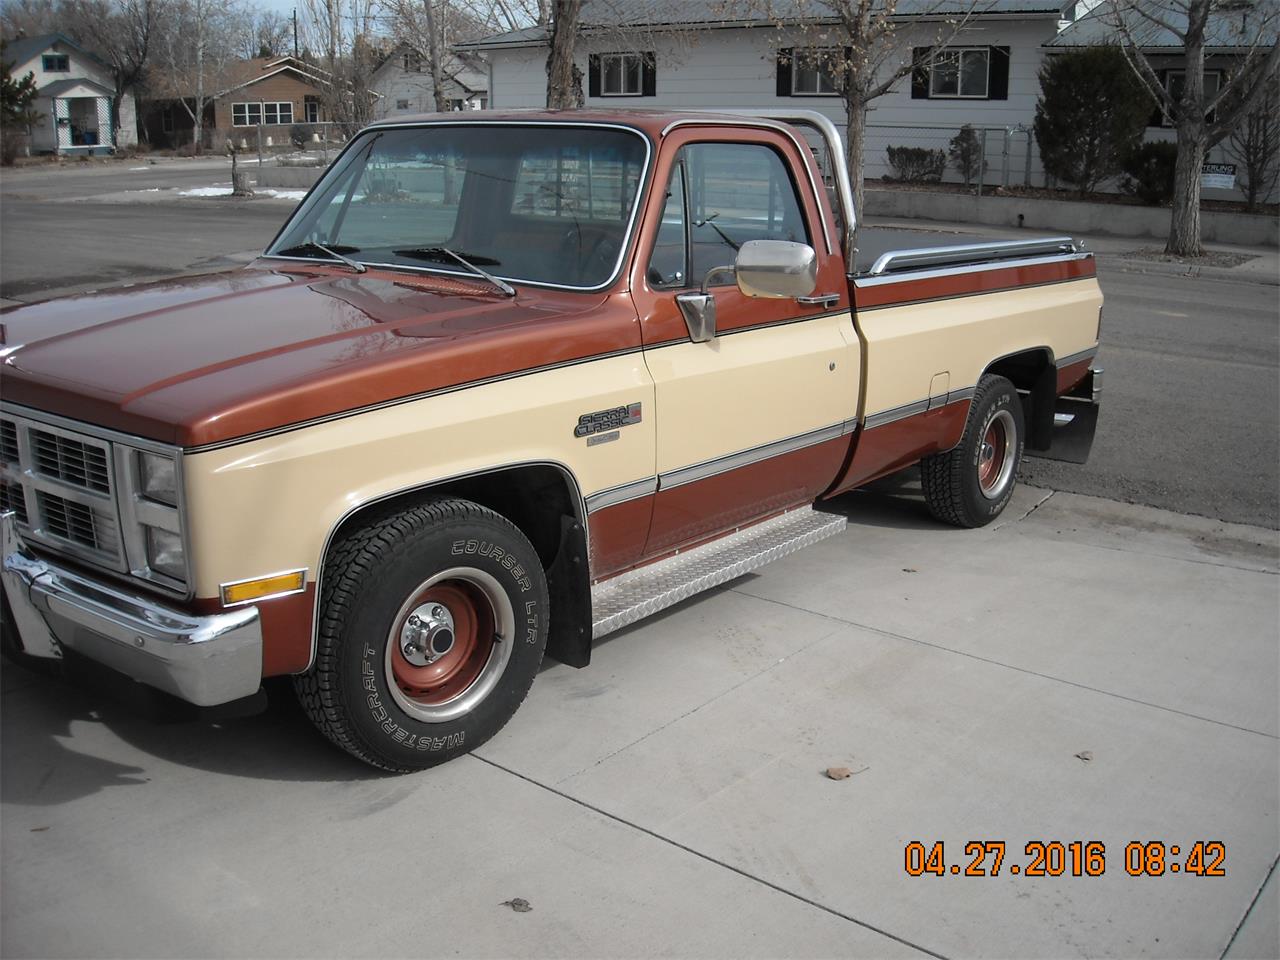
(60, 486)
(71, 461)
(12, 498)
(78, 523)
(8, 441)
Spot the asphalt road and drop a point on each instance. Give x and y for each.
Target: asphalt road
(1189, 421)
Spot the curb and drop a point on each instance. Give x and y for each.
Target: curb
(1193, 272)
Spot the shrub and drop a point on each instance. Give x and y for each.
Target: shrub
(1090, 115)
(966, 154)
(1149, 173)
(300, 135)
(917, 164)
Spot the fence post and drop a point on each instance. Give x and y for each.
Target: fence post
(1004, 159)
(982, 167)
(258, 131)
(1026, 174)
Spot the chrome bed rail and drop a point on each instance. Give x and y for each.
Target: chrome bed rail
(970, 253)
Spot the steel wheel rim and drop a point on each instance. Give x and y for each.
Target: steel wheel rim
(995, 455)
(442, 667)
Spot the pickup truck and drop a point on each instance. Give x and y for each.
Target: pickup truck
(500, 386)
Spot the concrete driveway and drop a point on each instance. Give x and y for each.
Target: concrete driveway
(1084, 670)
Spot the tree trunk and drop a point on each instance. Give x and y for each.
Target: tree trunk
(855, 152)
(1184, 225)
(564, 35)
(437, 72)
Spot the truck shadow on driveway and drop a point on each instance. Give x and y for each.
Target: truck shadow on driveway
(58, 737)
(58, 734)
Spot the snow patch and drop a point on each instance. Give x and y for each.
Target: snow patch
(219, 190)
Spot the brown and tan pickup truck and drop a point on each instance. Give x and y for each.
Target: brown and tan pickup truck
(501, 386)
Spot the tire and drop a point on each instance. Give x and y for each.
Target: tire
(970, 485)
(432, 626)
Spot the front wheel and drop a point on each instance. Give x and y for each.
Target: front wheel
(432, 626)
(971, 485)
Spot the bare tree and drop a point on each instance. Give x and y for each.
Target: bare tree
(197, 49)
(428, 29)
(866, 47)
(505, 15)
(270, 35)
(27, 18)
(1201, 116)
(343, 31)
(561, 93)
(121, 32)
(1255, 146)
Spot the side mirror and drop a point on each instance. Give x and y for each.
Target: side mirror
(776, 269)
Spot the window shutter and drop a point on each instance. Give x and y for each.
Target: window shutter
(998, 79)
(593, 75)
(784, 71)
(920, 73)
(649, 80)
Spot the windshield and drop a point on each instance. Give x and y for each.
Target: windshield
(541, 204)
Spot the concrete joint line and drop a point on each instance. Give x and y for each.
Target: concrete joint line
(712, 860)
(691, 712)
(1252, 903)
(1008, 666)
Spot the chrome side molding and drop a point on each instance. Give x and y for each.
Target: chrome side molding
(969, 253)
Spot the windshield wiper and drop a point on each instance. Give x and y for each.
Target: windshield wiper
(433, 253)
(299, 251)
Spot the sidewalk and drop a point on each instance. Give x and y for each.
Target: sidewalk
(1082, 670)
(1262, 267)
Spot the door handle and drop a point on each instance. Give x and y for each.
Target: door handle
(820, 300)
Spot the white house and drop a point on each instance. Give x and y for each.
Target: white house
(403, 83)
(700, 54)
(74, 94)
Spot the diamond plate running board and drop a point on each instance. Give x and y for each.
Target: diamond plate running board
(623, 600)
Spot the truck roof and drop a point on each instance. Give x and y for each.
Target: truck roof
(652, 122)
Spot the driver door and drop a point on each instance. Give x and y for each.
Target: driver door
(758, 419)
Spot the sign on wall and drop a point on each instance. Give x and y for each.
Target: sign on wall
(1220, 176)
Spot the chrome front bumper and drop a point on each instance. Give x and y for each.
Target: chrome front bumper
(204, 660)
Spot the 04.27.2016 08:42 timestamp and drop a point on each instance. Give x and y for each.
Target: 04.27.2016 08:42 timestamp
(1073, 858)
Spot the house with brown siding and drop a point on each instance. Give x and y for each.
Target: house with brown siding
(273, 93)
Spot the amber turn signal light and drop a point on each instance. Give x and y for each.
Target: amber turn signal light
(275, 585)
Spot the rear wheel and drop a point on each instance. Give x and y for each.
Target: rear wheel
(432, 626)
(971, 485)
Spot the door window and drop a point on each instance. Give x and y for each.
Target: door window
(735, 192)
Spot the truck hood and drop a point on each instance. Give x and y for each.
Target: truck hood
(212, 358)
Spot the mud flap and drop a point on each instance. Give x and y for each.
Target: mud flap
(569, 585)
(1075, 421)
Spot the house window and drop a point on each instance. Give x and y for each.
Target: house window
(166, 119)
(255, 114)
(402, 104)
(621, 75)
(1175, 81)
(813, 72)
(311, 110)
(412, 63)
(56, 63)
(277, 113)
(961, 73)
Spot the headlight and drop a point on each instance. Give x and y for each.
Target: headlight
(159, 478)
(165, 554)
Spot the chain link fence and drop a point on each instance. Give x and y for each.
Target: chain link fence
(295, 144)
(982, 156)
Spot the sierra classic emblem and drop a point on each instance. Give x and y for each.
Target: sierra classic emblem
(603, 420)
